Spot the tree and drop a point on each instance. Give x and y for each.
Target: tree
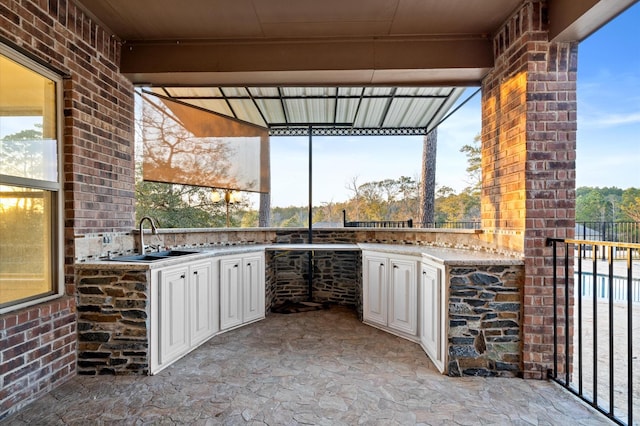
(474, 164)
(630, 204)
(264, 216)
(22, 153)
(590, 206)
(354, 187)
(428, 178)
(599, 204)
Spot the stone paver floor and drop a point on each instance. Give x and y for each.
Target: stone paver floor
(320, 368)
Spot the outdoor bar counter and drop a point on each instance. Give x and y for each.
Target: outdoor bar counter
(467, 318)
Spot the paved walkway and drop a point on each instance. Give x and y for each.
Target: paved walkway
(320, 368)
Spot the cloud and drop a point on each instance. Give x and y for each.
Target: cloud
(610, 119)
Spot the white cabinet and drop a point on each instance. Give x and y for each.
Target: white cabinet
(173, 315)
(230, 292)
(203, 295)
(374, 303)
(433, 310)
(253, 287)
(403, 296)
(242, 289)
(184, 310)
(390, 295)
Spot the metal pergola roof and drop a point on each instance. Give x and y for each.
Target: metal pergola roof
(331, 111)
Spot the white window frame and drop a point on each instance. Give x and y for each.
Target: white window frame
(55, 188)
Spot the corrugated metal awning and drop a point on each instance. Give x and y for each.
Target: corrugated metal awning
(288, 111)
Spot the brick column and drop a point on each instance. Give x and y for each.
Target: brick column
(528, 162)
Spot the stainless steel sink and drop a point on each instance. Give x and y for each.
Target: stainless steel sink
(171, 253)
(152, 257)
(137, 258)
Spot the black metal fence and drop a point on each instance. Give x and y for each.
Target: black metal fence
(596, 303)
(376, 223)
(408, 224)
(380, 224)
(451, 225)
(622, 232)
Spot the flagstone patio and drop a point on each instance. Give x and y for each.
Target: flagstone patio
(321, 368)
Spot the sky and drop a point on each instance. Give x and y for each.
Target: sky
(608, 139)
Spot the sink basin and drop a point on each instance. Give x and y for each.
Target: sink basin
(137, 258)
(152, 257)
(171, 253)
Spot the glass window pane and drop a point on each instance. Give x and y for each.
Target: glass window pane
(28, 146)
(25, 243)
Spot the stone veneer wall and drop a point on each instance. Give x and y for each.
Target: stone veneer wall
(113, 321)
(337, 277)
(485, 320)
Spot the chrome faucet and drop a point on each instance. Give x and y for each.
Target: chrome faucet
(154, 231)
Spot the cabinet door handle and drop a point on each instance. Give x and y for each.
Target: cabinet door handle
(183, 276)
(249, 264)
(395, 266)
(382, 265)
(424, 272)
(195, 272)
(235, 266)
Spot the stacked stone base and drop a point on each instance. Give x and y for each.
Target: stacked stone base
(485, 317)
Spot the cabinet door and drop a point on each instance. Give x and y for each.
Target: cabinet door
(230, 292)
(253, 286)
(203, 308)
(403, 300)
(431, 329)
(374, 303)
(174, 314)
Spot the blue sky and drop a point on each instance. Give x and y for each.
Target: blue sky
(608, 141)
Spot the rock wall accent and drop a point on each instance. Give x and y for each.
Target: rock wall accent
(485, 319)
(113, 321)
(337, 277)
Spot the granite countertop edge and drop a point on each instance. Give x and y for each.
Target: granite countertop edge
(443, 255)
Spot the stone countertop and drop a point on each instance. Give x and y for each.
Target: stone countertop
(198, 253)
(313, 247)
(446, 256)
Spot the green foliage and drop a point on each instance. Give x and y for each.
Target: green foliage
(452, 207)
(630, 205)
(608, 204)
(388, 199)
(289, 217)
(183, 206)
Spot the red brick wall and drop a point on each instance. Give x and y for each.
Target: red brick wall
(38, 352)
(98, 176)
(528, 149)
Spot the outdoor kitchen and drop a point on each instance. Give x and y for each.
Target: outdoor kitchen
(107, 315)
(476, 306)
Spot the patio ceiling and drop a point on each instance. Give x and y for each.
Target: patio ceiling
(355, 66)
(323, 43)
